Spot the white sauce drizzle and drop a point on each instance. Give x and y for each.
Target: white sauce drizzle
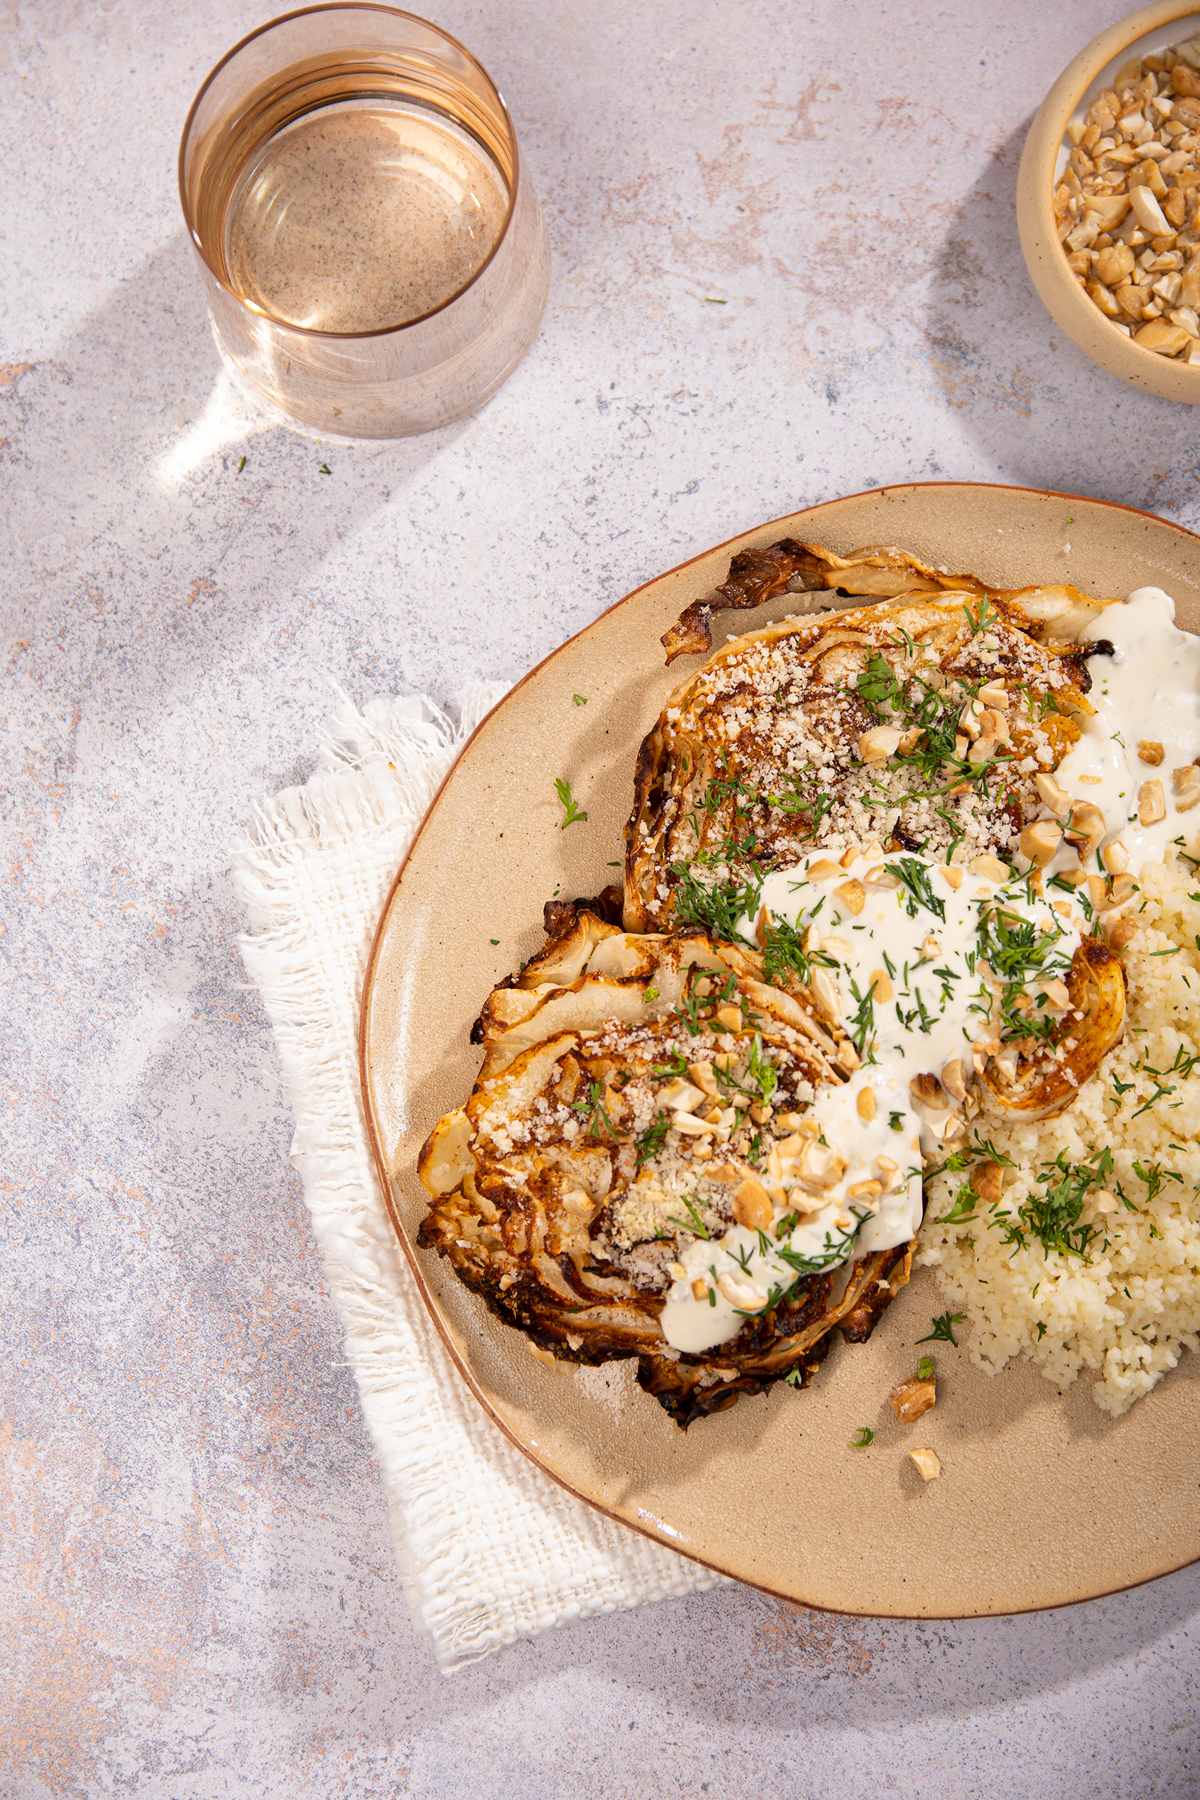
(1150, 690)
(885, 932)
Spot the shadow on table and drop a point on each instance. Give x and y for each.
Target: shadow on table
(727, 1657)
(137, 464)
(1042, 413)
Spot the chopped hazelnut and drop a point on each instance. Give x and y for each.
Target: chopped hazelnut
(1040, 840)
(867, 1191)
(852, 896)
(1121, 933)
(877, 744)
(752, 1204)
(927, 1091)
(1086, 825)
(953, 1079)
(1053, 794)
(910, 1399)
(1185, 785)
(987, 1178)
(927, 1463)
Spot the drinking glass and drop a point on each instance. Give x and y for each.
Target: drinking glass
(372, 250)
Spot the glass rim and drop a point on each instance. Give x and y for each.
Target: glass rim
(300, 12)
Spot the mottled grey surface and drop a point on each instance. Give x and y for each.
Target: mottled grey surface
(198, 1596)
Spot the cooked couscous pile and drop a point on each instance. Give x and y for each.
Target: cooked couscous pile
(1089, 1262)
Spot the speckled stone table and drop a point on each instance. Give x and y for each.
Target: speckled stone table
(198, 1596)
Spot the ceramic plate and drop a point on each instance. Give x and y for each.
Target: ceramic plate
(1043, 1499)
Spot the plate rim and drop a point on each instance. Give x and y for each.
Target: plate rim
(379, 1163)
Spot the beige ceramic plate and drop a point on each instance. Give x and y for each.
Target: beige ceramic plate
(1043, 1500)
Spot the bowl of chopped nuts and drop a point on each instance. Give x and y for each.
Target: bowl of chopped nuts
(1108, 200)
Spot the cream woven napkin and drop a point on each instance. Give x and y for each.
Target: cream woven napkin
(490, 1548)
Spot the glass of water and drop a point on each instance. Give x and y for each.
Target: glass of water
(372, 249)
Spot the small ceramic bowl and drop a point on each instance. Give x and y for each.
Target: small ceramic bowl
(1155, 27)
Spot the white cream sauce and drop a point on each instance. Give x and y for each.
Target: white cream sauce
(939, 1005)
(1150, 690)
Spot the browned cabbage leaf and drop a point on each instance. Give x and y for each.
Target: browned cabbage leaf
(755, 758)
(559, 1197)
(878, 572)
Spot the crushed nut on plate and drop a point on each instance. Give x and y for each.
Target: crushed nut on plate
(909, 1399)
(927, 1463)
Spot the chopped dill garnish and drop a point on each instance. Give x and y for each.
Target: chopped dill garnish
(696, 1008)
(1161, 1090)
(720, 789)
(693, 1223)
(915, 878)
(593, 1110)
(572, 813)
(981, 1146)
(953, 1165)
(1154, 1177)
(962, 1210)
(717, 909)
(862, 1019)
(979, 621)
(784, 953)
(652, 1139)
(877, 686)
(935, 716)
(1040, 706)
(1053, 1216)
(837, 1249)
(862, 1437)
(762, 1070)
(943, 1329)
(804, 801)
(1018, 951)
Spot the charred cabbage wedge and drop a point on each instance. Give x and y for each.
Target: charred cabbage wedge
(924, 720)
(619, 1120)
